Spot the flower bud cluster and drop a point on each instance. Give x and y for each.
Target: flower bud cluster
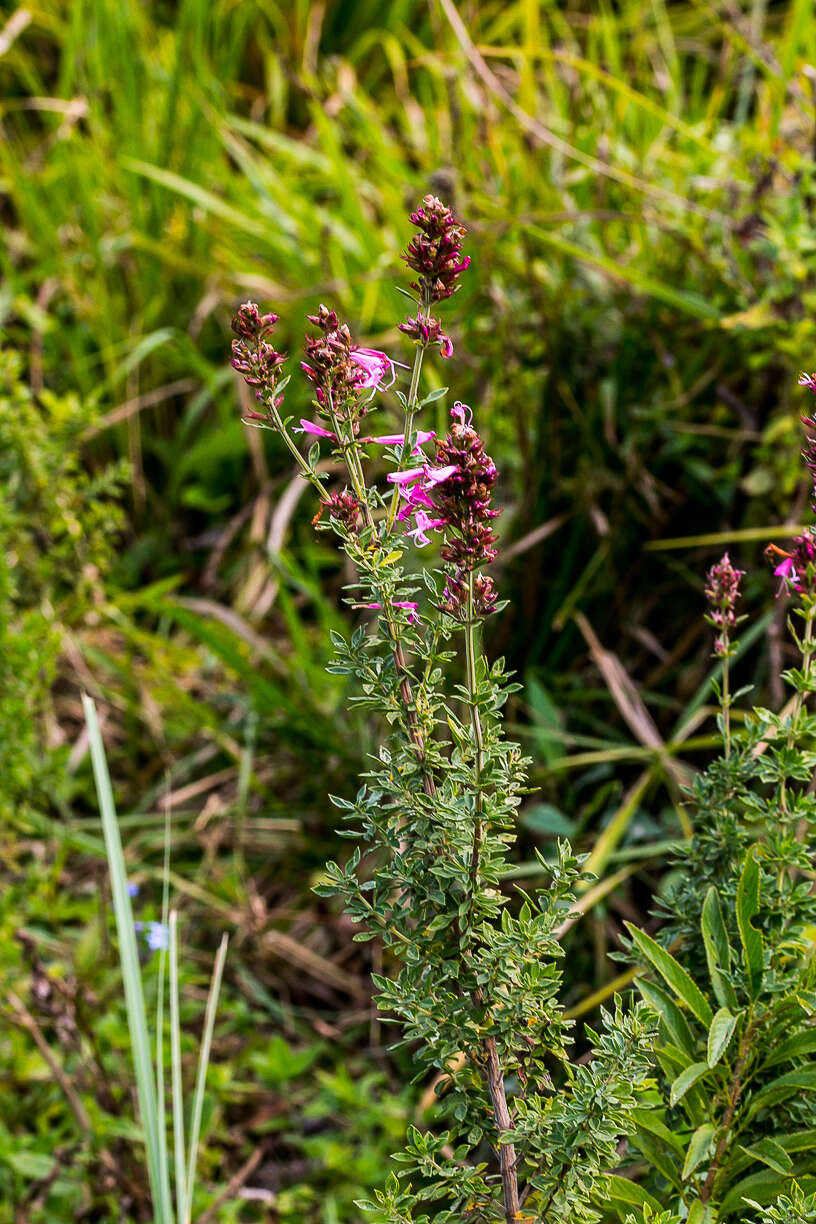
(463, 501)
(427, 332)
(435, 253)
(329, 362)
(253, 356)
(722, 592)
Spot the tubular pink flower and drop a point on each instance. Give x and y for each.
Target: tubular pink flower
(407, 477)
(309, 427)
(415, 496)
(809, 381)
(423, 436)
(445, 347)
(786, 571)
(377, 367)
(434, 476)
(423, 523)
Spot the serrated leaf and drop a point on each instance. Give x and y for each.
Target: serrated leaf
(673, 974)
(771, 1154)
(685, 1080)
(698, 1148)
(719, 1035)
(747, 907)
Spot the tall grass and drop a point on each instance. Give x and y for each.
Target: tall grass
(150, 1076)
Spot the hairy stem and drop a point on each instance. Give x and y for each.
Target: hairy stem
(305, 470)
(726, 700)
(495, 1075)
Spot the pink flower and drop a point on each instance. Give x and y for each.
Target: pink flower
(434, 476)
(809, 381)
(423, 436)
(309, 427)
(377, 368)
(405, 604)
(786, 570)
(405, 478)
(423, 523)
(445, 347)
(415, 496)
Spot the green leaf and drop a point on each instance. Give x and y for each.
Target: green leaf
(764, 1187)
(685, 1080)
(671, 1017)
(720, 1034)
(673, 974)
(794, 1047)
(698, 1149)
(771, 1154)
(782, 1087)
(622, 1190)
(34, 1165)
(700, 1213)
(747, 907)
(717, 949)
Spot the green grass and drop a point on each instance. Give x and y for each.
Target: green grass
(638, 182)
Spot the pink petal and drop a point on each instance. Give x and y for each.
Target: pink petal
(423, 436)
(437, 475)
(401, 478)
(309, 427)
(377, 367)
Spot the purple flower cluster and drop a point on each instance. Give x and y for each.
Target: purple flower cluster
(427, 332)
(435, 254)
(341, 371)
(252, 354)
(455, 496)
(344, 508)
(722, 592)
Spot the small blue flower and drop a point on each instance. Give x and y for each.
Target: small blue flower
(133, 890)
(157, 935)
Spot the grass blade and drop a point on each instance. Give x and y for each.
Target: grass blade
(131, 975)
(175, 1061)
(203, 1060)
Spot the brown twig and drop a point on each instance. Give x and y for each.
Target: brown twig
(232, 1187)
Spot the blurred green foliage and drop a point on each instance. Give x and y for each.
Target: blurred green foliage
(638, 183)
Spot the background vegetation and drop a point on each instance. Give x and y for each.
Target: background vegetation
(638, 180)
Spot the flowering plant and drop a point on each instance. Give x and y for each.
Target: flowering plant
(732, 1129)
(524, 1133)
